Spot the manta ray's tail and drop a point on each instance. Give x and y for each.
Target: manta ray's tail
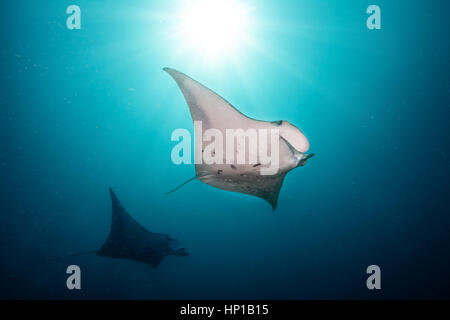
(189, 180)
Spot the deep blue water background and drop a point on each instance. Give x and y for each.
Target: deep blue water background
(84, 110)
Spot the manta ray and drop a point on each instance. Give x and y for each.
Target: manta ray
(214, 112)
(127, 239)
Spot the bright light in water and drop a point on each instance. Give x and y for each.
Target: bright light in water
(214, 28)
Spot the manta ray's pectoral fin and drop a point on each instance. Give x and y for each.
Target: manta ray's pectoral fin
(266, 187)
(271, 190)
(204, 104)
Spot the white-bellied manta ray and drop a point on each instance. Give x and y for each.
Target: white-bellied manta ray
(214, 112)
(127, 239)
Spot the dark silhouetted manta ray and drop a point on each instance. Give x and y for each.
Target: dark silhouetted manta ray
(127, 239)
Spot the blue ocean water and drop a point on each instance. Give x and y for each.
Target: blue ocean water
(84, 110)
